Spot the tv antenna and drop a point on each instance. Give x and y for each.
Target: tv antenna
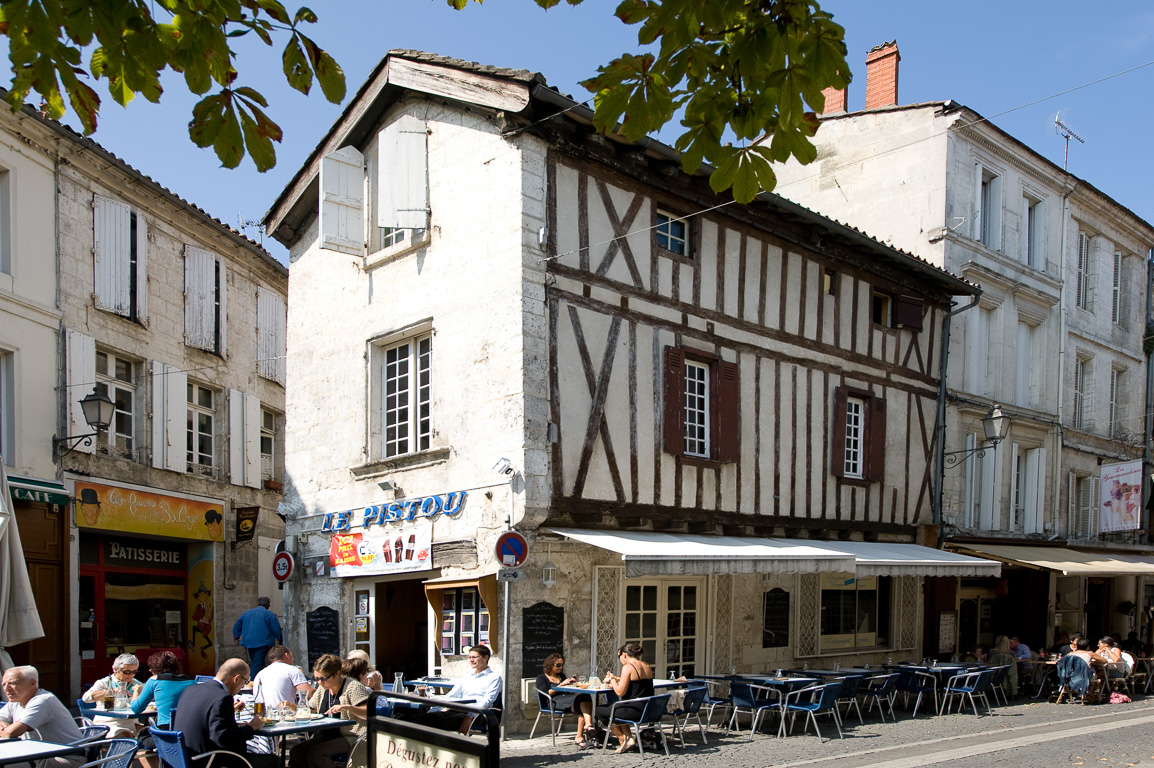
(1067, 133)
(244, 224)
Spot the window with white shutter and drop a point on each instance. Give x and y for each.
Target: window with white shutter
(119, 256)
(987, 208)
(342, 185)
(200, 445)
(1116, 290)
(1116, 425)
(402, 186)
(116, 378)
(204, 300)
(1082, 272)
(7, 409)
(244, 436)
(271, 332)
(169, 413)
(1081, 393)
(80, 378)
(1033, 232)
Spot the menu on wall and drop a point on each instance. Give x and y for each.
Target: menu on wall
(542, 633)
(775, 627)
(947, 631)
(322, 632)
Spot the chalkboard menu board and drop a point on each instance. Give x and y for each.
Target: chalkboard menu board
(542, 633)
(323, 633)
(775, 629)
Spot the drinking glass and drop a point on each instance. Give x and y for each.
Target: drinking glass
(837, 666)
(805, 665)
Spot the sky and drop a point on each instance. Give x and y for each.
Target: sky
(1018, 64)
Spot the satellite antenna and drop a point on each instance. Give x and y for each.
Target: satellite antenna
(1067, 133)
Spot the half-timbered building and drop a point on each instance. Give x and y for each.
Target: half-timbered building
(712, 422)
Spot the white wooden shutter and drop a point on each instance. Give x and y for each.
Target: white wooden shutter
(976, 208)
(973, 479)
(159, 402)
(111, 255)
(1072, 517)
(1017, 465)
(342, 201)
(252, 441)
(141, 270)
(1024, 230)
(991, 487)
(1035, 480)
(200, 270)
(243, 439)
(221, 343)
(169, 417)
(402, 174)
(81, 378)
(271, 335)
(994, 214)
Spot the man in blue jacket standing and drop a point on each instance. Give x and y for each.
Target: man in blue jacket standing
(257, 630)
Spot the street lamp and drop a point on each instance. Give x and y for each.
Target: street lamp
(98, 412)
(996, 425)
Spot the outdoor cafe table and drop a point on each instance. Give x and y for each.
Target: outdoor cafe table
(434, 682)
(31, 750)
(605, 690)
(290, 726)
(839, 672)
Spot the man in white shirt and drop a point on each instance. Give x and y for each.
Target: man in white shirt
(280, 680)
(482, 687)
(31, 708)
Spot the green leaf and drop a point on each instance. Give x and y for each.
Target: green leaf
(331, 77)
(305, 15)
(296, 67)
(207, 121)
(229, 142)
(260, 147)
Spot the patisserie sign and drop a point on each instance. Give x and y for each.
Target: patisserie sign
(402, 511)
(371, 553)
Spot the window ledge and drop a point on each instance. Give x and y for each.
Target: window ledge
(674, 255)
(394, 252)
(407, 461)
(860, 482)
(701, 461)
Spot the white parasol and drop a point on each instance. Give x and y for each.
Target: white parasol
(19, 619)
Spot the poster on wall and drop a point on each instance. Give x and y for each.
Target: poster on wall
(1121, 502)
(201, 612)
(136, 510)
(371, 553)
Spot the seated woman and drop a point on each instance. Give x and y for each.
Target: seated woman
(370, 678)
(1108, 649)
(1002, 657)
(1097, 663)
(341, 695)
(634, 682)
(123, 683)
(553, 674)
(164, 687)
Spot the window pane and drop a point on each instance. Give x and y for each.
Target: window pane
(696, 409)
(633, 598)
(649, 599)
(649, 625)
(674, 599)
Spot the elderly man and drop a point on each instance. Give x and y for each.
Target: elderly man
(257, 630)
(206, 716)
(30, 709)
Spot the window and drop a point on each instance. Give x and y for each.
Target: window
(1115, 404)
(896, 311)
(116, 378)
(1033, 232)
(1116, 290)
(1082, 274)
(271, 334)
(204, 300)
(5, 222)
(401, 202)
(406, 402)
(464, 621)
(701, 405)
(267, 445)
(672, 234)
(663, 618)
(987, 227)
(1028, 492)
(982, 479)
(829, 282)
(7, 409)
(1025, 376)
(1080, 395)
(855, 611)
(119, 248)
(859, 435)
(201, 432)
(1085, 502)
(880, 309)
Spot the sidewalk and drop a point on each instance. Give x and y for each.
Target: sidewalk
(1009, 727)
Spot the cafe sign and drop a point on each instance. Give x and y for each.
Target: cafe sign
(372, 553)
(403, 511)
(136, 510)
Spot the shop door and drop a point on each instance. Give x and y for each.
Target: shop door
(665, 618)
(975, 621)
(402, 625)
(93, 662)
(1098, 609)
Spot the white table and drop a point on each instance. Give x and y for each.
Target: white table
(31, 750)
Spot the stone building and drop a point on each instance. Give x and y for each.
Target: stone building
(1056, 339)
(711, 422)
(170, 519)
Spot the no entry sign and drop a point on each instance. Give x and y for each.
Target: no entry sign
(512, 549)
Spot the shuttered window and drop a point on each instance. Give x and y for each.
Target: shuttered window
(116, 378)
(119, 255)
(201, 430)
(342, 183)
(859, 435)
(1081, 395)
(1116, 290)
(1082, 277)
(402, 175)
(271, 335)
(204, 300)
(701, 405)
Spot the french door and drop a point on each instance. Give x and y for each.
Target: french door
(667, 617)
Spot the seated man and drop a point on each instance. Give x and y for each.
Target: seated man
(206, 716)
(482, 686)
(280, 680)
(31, 708)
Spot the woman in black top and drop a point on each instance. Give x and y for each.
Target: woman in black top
(553, 674)
(634, 682)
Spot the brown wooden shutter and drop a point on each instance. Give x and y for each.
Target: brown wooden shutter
(674, 406)
(728, 435)
(876, 438)
(908, 312)
(837, 444)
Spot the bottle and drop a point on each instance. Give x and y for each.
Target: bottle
(257, 701)
(303, 712)
(399, 682)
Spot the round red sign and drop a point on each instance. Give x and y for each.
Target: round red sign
(282, 566)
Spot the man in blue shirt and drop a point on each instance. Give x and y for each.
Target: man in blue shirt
(257, 630)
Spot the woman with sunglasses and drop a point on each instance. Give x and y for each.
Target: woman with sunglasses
(553, 675)
(337, 694)
(122, 682)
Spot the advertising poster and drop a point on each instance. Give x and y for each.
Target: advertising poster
(133, 510)
(1121, 503)
(201, 613)
(371, 553)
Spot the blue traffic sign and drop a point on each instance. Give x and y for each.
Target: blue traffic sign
(511, 549)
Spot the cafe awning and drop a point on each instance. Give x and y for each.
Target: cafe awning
(1068, 562)
(35, 489)
(650, 553)
(896, 559)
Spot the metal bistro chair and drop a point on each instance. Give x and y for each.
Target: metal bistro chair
(691, 708)
(821, 700)
(849, 688)
(911, 681)
(998, 684)
(87, 711)
(714, 698)
(880, 689)
(968, 685)
(745, 701)
(652, 712)
(118, 753)
(171, 750)
(1135, 675)
(556, 717)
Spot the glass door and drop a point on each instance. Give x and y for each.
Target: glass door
(664, 618)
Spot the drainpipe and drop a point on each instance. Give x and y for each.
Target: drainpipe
(940, 436)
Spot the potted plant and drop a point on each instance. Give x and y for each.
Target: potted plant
(1127, 607)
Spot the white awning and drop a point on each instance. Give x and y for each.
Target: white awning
(649, 553)
(893, 559)
(1069, 562)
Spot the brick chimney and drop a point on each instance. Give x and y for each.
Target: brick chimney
(882, 75)
(835, 100)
